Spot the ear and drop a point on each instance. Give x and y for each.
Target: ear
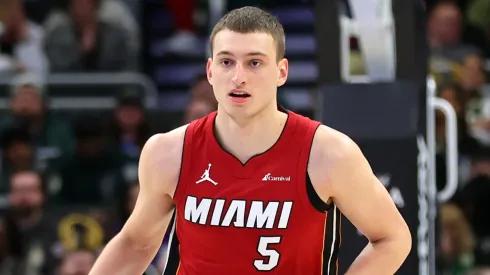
(283, 67)
(209, 73)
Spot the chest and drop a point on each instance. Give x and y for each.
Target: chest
(262, 179)
(260, 194)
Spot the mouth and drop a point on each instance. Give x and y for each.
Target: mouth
(239, 94)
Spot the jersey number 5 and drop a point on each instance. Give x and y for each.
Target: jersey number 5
(265, 251)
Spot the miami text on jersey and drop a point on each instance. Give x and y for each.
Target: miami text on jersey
(239, 213)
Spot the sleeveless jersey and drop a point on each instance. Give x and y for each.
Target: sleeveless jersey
(254, 218)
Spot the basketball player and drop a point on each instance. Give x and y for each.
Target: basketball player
(257, 189)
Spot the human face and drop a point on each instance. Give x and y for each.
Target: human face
(245, 63)
(27, 102)
(129, 117)
(26, 193)
(198, 109)
(445, 25)
(83, 12)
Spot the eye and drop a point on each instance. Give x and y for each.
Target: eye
(255, 63)
(226, 62)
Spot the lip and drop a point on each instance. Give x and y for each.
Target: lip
(239, 100)
(238, 91)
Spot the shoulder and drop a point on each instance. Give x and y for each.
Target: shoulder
(162, 156)
(331, 146)
(332, 153)
(166, 146)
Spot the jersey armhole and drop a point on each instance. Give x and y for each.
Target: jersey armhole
(185, 159)
(310, 196)
(314, 198)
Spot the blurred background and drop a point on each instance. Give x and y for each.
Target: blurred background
(84, 83)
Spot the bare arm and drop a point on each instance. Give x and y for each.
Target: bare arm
(351, 184)
(132, 250)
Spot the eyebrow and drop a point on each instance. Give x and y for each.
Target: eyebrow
(248, 54)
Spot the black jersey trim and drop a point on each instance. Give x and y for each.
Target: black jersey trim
(173, 255)
(332, 241)
(313, 196)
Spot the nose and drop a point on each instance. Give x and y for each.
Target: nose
(239, 77)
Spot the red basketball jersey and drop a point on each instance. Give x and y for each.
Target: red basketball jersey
(254, 218)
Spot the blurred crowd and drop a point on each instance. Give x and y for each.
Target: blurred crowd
(459, 39)
(69, 182)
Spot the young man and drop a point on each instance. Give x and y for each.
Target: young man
(256, 188)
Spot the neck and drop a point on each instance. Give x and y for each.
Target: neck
(434, 43)
(37, 125)
(440, 43)
(244, 139)
(31, 220)
(86, 25)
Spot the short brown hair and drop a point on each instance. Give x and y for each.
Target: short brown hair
(252, 19)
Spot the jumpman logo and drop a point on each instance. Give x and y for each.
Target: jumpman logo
(205, 176)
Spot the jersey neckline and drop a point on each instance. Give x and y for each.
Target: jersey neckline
(255, 161)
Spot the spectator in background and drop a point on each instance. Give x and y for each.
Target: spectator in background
(184, 41)
(130, 127)
(458, 99)
(201, 89)
(126, 207)
(21, 44)
(197, 109)
(480, 271)
(445, 26)
(6, 7)
(18, 154)
(122, 13)
(457, 242)
(27, 198)
(467, 144)
(471, 76)
(127, 203)
(11, 252)
(449, 93)
(473, 200)
(79, 38)
(78, 262)
(478, 15)
(28, 104)
(472, 79)
(93, 175)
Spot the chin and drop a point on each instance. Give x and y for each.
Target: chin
(239, 111)
(243, 114)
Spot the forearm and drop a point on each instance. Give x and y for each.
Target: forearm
(121, 257)
(383, 257)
